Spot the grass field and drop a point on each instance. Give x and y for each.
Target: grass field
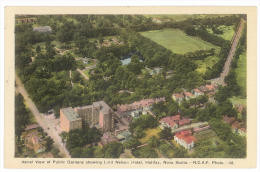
(86, 72)
(207, 62)
(241, 72)
(228, 32)
(149, 133)
(185, 16)
(178, 42)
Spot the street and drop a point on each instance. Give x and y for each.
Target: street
(42, 122)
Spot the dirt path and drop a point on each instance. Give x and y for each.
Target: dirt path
(39, 118)
(61, 53)
(82, 74)
(220, 79)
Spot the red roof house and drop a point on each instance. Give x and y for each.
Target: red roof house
(185, 139)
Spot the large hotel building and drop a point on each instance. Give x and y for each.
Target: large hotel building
(98, 115)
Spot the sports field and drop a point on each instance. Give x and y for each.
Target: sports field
(177, 41)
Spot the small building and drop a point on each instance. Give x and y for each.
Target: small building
(197, 92)
(184, 121)
(170, 122)
(44, 29)
(135, 114)
(228, 120)
(107, 138)
(178, 97)
(235, 126)
(188, 95)
(242, 131)
(185, 139)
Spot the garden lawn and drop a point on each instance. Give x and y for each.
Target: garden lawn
(228, 32)
(149, 133)
(86, 72)
(207, 62)
(177, 41)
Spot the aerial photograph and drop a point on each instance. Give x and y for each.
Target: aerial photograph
(130, 86)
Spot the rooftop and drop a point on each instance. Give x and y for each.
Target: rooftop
(70, 114)
(104, 108)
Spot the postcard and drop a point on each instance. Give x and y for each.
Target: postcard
(130, 87)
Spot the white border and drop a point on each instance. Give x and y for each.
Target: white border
(4, 3)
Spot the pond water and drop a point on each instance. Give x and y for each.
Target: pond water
(126, 58)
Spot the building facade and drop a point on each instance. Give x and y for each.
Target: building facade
(98, 115)
(69, 120)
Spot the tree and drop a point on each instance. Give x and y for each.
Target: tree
(38, 49)
(133, 143)
(112, 150)
(49, 143)
(145, 152)
(165, 133)
(153, 141)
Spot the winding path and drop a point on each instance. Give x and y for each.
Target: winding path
(220, 79)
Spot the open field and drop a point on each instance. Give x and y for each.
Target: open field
(178, 42)
(228, 32)
(177, 17)
(241, 71)
(149, 133)
(207, 62)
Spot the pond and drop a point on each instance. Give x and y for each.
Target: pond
(126, 58)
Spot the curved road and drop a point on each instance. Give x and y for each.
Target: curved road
(40, 119)
(220, 79)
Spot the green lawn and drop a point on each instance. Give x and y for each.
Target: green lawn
(207, 62)
(149, 133)
(228, 32)
(86, 72)
(178, 42)
(241, 72)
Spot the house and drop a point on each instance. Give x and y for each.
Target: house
(135, 114)
(210, 89)
(156, 20)
(178, 97)
(235, 126)
(242, 131)
(123, 135)
(34, 141)
(197, 92)
(188, 95)
(107, 138)
(44, 29)
(185, 139)
(142, 105)
(228, 120)
(184, 121)
(170, 121)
